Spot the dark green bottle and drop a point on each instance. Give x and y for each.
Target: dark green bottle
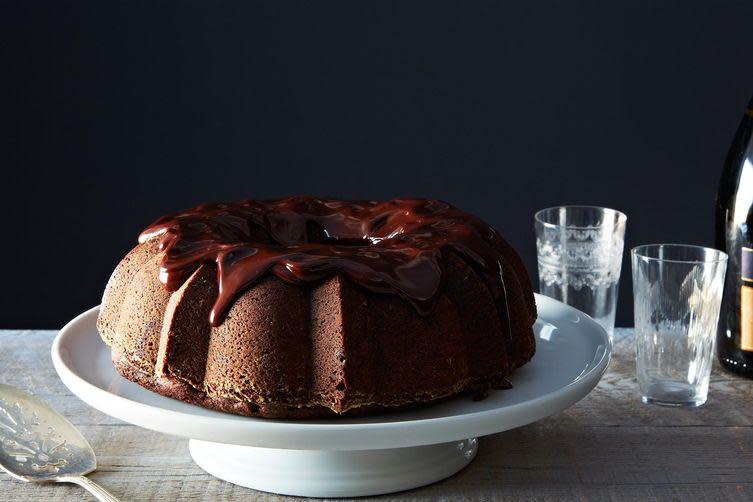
(734, 235)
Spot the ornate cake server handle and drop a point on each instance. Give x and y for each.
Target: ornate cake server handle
(92, 487)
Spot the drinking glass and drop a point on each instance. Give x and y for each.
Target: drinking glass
(579, 252)
(678, 292)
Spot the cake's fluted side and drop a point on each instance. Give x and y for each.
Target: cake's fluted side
(287, 351)
(112, 300)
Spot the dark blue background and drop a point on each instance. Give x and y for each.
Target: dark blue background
(115, 113)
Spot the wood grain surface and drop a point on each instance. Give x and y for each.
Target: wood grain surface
(609, 446)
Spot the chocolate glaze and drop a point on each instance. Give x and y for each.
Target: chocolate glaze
(395, 246)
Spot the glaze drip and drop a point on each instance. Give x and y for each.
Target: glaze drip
(387, 247)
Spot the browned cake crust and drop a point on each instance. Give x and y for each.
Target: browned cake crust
(181, 391)
(324, 349)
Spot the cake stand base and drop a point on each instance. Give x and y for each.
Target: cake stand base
(332, 473)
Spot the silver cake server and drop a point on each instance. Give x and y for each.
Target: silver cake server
(39, 444)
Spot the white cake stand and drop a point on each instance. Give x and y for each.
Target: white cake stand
(351, 456)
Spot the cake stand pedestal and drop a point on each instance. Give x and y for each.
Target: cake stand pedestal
(323, 473)
(347, 457)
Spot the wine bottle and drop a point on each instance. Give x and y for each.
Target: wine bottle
(734, 235)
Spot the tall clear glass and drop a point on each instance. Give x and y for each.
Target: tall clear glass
(678, 292)
(580, 256)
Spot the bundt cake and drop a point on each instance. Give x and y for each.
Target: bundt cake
(305, 307)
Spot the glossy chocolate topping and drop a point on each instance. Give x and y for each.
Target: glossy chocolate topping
(395, 246)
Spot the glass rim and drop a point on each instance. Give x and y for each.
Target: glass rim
(720, 256)
(621, 217)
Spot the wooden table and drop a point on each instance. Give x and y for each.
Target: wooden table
(607, 447)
